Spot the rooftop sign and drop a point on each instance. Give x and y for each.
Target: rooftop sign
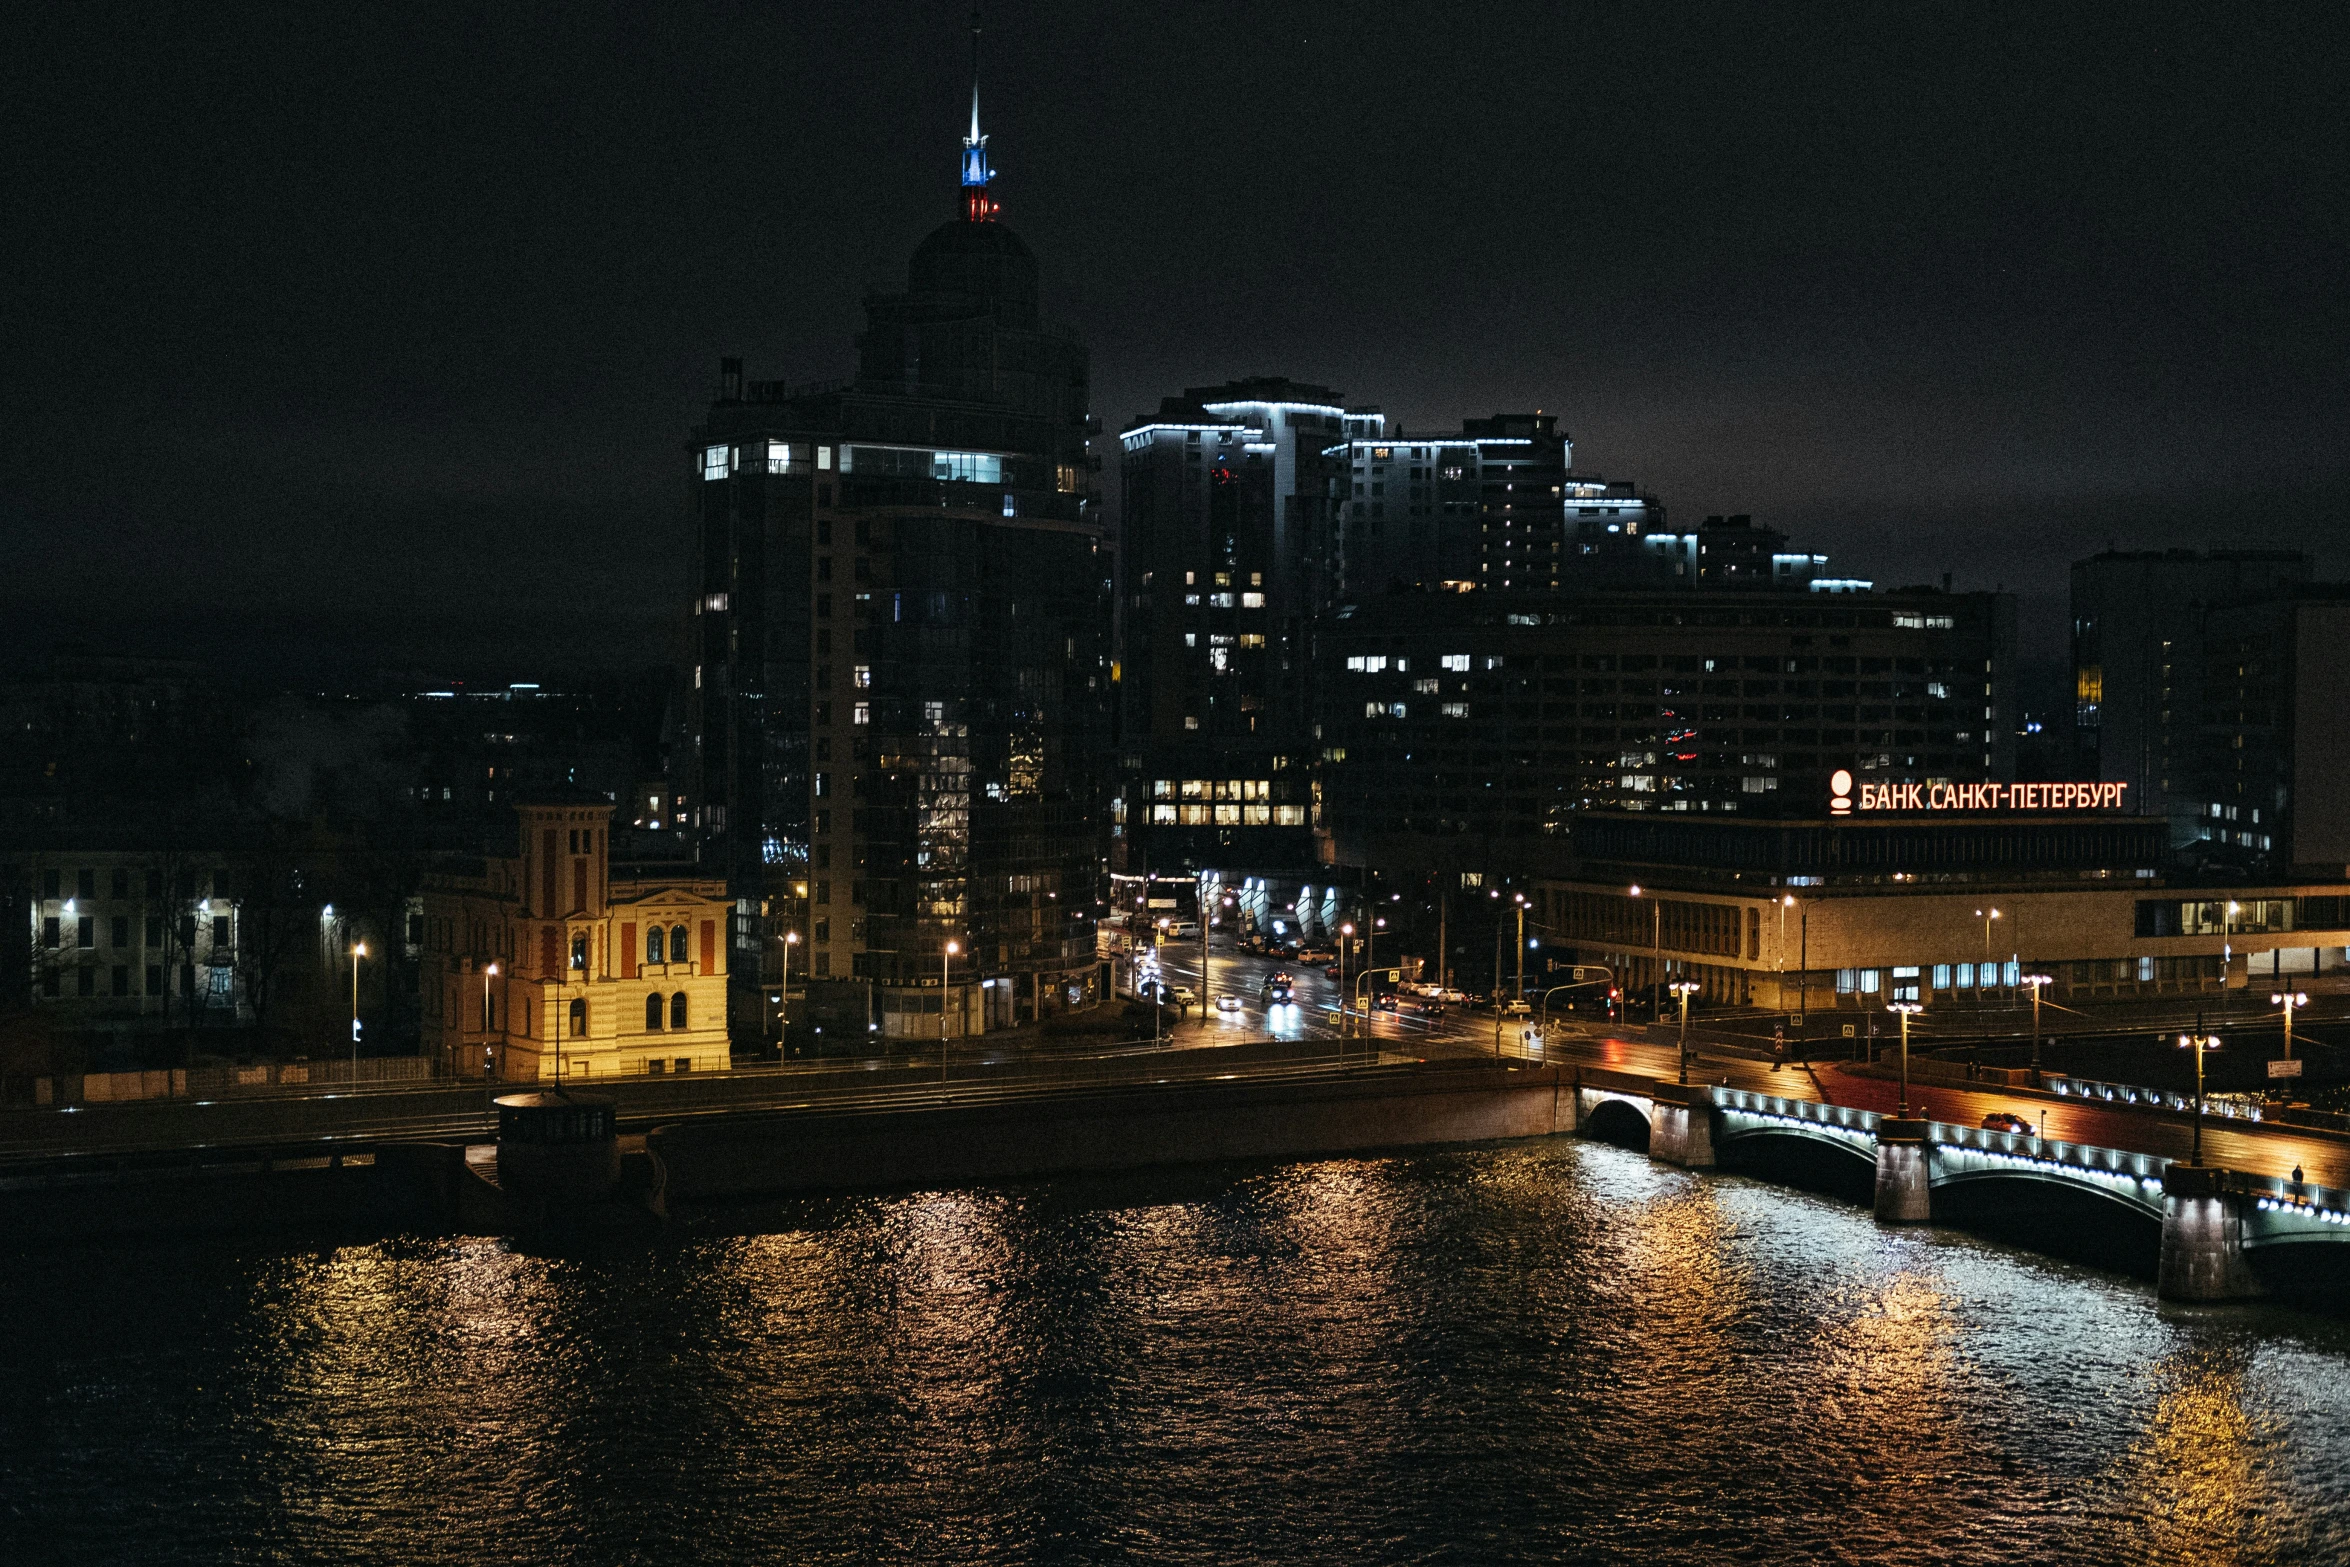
(1971, 796)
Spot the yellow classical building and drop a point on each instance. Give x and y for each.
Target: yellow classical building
(541, 967)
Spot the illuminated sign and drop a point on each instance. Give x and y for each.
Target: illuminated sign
(1971, 796)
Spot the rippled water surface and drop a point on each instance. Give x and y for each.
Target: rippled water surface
(1541, 1352)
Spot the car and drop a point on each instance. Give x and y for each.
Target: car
(1452, 998)
(1310, 955)
(1332, 971)
(1280, 988)
(1384, 1002)
(1183, 996)
(1228, 1003)
(1515, 1007)
(1184, 930)
(2001, 1121)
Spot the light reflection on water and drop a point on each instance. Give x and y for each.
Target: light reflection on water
(1536, 1352)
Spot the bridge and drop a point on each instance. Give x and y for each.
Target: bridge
(2214, 1224)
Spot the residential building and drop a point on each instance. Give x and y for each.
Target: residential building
(899, 725)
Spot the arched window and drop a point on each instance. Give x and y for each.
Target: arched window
(677, 944)
(526, 1017)
(653, 1009)
(578, 1019)
(677, 1010)
(653, 945)
(579, 953)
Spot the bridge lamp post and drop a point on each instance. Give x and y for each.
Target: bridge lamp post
(1905, 1010)
(2202, 1045)
(1986, 916)
(2292, 1001)
(2036, 983)
(1682, 990)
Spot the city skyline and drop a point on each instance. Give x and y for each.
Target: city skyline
(442, 300)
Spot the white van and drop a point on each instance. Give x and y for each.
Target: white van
(1183, 930)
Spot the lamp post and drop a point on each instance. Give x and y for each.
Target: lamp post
(489, 1060)
(2292, 1001)
(1521, 901)
(791, 939)
(1346, 936)
(1986, 916)
(1682, 990)
(946, 955)
(2202, 1044)
(2036, 983)
(1656, 954)
(1158, 982)
(1906, 1009)
(2227, 949)
(358, 951)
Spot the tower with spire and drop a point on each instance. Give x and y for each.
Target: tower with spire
(899, 710)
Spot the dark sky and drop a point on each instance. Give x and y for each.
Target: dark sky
(380, 328)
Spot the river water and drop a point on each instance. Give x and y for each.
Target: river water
(1547, 1351)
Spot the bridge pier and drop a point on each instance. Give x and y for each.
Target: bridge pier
(2202, 1237)
(1904, 1195)
(1682, 1131)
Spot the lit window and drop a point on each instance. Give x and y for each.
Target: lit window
(1458, 661)
(863, 713)
(864, 676)
(1252, 601)
(1451, 709)
(717, 461)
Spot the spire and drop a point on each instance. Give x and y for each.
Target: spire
(977, 208)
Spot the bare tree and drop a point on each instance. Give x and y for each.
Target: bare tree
(275, 922)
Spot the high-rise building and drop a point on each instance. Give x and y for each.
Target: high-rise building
(1488, 506)
(1226, 557)
(901, 715)
(2138, 666)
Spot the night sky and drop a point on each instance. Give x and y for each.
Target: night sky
(373, 334)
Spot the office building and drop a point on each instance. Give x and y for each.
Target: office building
(900, 695)
(1466, 731)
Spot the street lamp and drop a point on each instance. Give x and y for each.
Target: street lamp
(1346, 934)
(1656, 954)
(489, 1058)
(791, 939)
(358, 951)
(1986, 916)
(1682, 990)
(1906, 1009)
(1158, 982)
(2036, 983)
(2292, 1001)
(2202, 1044)
(945, 956)
(1521, 902)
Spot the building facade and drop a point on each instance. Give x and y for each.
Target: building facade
(1469, 729)
(901, 694)
(1950, 909)
(550, 964)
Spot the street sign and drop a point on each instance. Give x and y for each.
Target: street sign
(2284, 1069)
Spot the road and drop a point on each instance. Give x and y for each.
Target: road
(33, 1138)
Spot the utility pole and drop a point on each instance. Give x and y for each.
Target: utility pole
(1443, 952)
(1521, 946)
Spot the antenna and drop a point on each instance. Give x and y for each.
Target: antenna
(977, 207)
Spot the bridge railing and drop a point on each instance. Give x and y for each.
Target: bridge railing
(2151, 1098)
(2027, 1152)
(2330, 1203)
(1844, 1117)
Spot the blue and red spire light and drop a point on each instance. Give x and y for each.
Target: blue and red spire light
(977, 207)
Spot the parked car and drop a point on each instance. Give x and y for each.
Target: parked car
(1228, 1002)
(1313, 955)
(1515, 1006)
(1183, 996)
(1184, 930)
(2001, 1121)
